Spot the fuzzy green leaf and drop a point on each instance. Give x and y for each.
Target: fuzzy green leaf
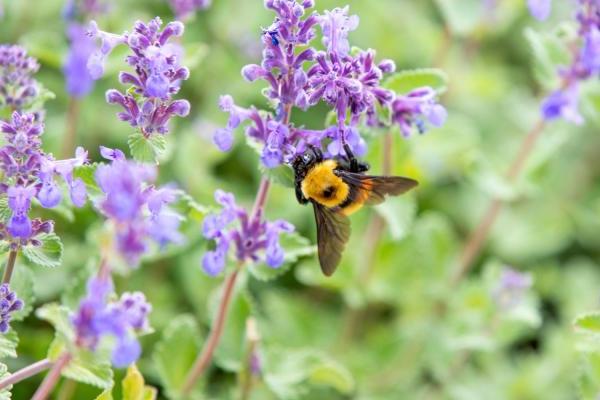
(175, 353)
(22, 283)
(589, 322)
(5, 393)
(48, 254)
(147, 149)
(134, 387)
(405, 81)
(8, 344)
(58, 316)
(87, 173)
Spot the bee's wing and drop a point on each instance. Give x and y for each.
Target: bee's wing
(333, 231)
(373, 189)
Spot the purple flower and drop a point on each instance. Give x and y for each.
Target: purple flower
(336, 25)
(29, 172)
(83, 8)
(416, 109)
(18, 88)
(138, 209)
(9, 303)
(97, 317)
(563, 104)
(540, 9)
(254, 239)
(185, 8)
(148, 103)
(78, 79)
(511, 288)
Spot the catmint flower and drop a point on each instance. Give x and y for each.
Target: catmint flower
(98, 317)
(83, 8)
(9, 303)
(78, 79)
(416, 109)
(29, 173)
(253, 238)
(511, 288)
(540, 9)
(148, 103)
(336, 25)
(17, 86)
(185, 8)
(138, 210)
(563, 103)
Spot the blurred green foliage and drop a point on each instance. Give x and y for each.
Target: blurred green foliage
(389, 324)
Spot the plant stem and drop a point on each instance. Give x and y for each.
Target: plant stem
(52, 378)
(475, 243)
(10, 266)
(261, 197)
(71, 128)
(204, 358)
(26, 372)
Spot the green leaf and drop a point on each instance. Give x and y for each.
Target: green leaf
(22, 284)
(8, 344)
(87, 173)
(175, 353)
(290, 373)
(134, 387)
(282, 174)
(405, 81)
(58, 316)
(588, 322)
(294, 246)
(5, 211)
(399, 214)
(189, 207)
(105, 395)
(147, 149)
(5, 393)
(549, 52)
(48, 254)
(93, 368)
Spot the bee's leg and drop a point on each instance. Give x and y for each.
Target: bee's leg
(355, 165)
(317, 152)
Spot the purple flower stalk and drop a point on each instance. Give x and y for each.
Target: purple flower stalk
(184, 9)
(511, 288)
(299, 76)
(97, 317)
(9, 303)
(138, 210)
(29, 172)
(416, 109)
(78, 79)
(254, 239)
(564, 102)
(148, 103)
(540, 9)
(18, 88)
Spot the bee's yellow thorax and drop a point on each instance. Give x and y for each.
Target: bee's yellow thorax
(320, 181)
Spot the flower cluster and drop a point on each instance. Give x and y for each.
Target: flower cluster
(18, 88)
(138, 209)
(563, 103)
(253, 237)
(29, 172)
(511, 288)
(9, 303)
(97, 317)
(79, 82)
(350, 82)
(185, 8)
(148, 103)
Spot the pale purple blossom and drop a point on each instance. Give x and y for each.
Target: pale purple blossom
(185, 8)
(540, 9)
(78, 79)
(511, 288)
(18, 88)
(253, 238)
(9, 303)
(417, 109)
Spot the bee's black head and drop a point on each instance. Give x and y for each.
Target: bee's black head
(303, 162)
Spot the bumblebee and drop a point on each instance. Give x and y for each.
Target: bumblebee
(337, 188)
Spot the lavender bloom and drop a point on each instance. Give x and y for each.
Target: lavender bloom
(148, 104)
(416, 109)
(185, 8)
(138, 209)
(336, 25)
(97, 317)
(563, 103)
(17, 86)
(540, 9)
(512, 287)
(78, 79)
(9, 303)
(254, 239)
(29, 173)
